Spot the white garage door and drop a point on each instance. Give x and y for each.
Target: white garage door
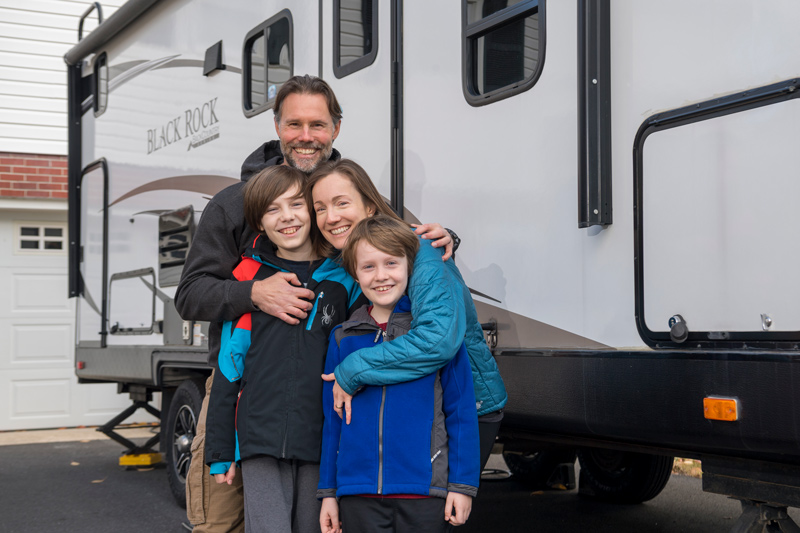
(38, 387)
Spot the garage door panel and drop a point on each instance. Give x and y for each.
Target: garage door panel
(35, 398)
(39, 343)
(40, 292)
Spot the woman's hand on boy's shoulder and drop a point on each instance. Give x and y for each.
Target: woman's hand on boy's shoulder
(438, 234)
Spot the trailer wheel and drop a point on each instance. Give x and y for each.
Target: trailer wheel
(181, 425)
(535, 469)
(622, 477)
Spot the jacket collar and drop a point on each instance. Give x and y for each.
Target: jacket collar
(399, 322)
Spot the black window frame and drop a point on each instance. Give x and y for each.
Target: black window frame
(100, 62)
(250, 38)
(470, 34)
(339, 70)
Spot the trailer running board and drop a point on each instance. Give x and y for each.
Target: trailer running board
(136, 455)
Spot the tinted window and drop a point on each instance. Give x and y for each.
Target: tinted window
(100, 84)
(268, 62)
(355, 31)
(503, 48)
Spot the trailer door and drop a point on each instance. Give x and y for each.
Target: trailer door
(718, 219)
(93, 257)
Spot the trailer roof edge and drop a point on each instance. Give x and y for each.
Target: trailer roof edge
(110, 27)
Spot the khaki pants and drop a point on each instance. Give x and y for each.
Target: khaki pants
(212, 508)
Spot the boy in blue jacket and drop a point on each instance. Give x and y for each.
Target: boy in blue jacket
(410, 460)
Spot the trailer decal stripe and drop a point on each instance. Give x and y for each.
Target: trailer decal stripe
(208, 184)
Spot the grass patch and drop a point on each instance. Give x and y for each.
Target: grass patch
(687, 467)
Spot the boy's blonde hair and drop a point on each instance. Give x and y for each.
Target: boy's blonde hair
(388, 234)
(268, 185)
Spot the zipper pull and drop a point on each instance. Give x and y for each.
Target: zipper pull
(377, 335)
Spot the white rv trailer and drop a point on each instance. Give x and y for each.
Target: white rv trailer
(621, 173)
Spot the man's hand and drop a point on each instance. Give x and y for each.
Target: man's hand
(329, 516)
(341, 400)
(463, 506)
(282, 296)
(226, 478)
(439, 236)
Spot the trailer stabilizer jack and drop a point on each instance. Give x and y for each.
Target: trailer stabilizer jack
(136, 455)
(758, 517)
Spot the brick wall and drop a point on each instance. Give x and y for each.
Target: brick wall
(33, 176)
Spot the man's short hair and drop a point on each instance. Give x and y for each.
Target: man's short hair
(308, 85)
(387, 234)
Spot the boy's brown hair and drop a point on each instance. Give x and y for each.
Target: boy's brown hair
(388, 234)
(265, 187)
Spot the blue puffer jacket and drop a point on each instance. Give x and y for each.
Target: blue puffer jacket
(444, 318)
(418, 437)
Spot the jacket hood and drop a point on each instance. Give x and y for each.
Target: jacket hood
(267, 155)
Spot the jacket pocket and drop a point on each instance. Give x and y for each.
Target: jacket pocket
(195, 484)
(314, 311)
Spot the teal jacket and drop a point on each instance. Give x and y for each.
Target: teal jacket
(444, 317)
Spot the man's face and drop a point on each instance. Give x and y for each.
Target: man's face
(306, 131)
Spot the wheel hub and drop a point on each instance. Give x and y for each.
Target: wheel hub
(184, 443)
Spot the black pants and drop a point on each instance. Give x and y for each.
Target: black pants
(395, 515)
(487, 433)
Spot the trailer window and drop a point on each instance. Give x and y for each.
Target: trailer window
(355, 35)
(100, 84)
(503, 48)
(268, 62)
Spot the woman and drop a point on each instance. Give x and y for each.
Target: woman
(342, 194)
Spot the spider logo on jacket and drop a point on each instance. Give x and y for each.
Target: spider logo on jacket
(327, 315)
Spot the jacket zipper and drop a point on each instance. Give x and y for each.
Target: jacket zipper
(298, 333)
(236, 411)
(380, 425)
(285, 435)
(314, 311)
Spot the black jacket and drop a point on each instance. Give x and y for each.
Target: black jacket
(206, 290)
(279, 409)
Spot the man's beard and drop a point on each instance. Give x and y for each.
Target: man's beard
(323, 154)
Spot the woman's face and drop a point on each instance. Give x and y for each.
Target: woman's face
(338, 206)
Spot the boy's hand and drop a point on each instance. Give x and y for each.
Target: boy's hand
(341, 400)
(329, 516)
(282, 296)
(439, 236)
(226, 478)
(457, 508)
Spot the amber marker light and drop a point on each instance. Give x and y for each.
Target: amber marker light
(726, 409)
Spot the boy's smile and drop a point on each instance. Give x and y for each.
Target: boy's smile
(287, 223)
(383, 278)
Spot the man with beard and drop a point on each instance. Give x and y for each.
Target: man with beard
(307, 121)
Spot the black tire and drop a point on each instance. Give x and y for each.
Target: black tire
(179, 433)
(535, 469)
(622, 477)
